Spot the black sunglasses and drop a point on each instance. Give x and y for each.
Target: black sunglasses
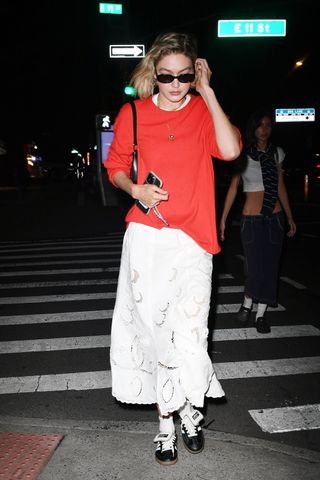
(182, 78)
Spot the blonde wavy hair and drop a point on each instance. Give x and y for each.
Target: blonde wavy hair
(143, 77)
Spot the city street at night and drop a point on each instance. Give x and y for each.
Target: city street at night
(94, 328)
(59, 270)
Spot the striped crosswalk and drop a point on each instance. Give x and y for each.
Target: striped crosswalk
(59, 284)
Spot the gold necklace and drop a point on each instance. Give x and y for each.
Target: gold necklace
(171, 134)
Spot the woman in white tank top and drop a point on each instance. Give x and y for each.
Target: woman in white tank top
(262, 221)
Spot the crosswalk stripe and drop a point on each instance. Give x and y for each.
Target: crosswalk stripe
(39, 318)
(221, 308)
(56, 382)
(87, 315)
(57, 298)
(62, 283)
(103, 341)
(102, 379)
(60, 262)
(67, 271)
(104, 281)
(234, 308)
(84, 241)
(231, 289)
(267, 368)
(72, 246)
(293, 283)
(54, 344)
(103, 253)
(287, 419)
(233, 334)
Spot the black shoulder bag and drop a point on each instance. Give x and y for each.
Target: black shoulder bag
(134, 166)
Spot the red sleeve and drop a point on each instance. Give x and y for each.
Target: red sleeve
(120, 152)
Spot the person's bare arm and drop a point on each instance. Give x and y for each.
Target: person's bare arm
(284, 200)
(228, 137)
(150, 195)
(230, 197)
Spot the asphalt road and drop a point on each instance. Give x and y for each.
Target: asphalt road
(59, 265)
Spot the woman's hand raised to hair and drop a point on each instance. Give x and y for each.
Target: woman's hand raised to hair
(203, 74)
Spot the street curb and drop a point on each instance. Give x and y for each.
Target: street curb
(8, 423)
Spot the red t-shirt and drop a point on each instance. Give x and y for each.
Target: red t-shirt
(184, 165)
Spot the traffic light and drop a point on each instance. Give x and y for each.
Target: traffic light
(129, 90)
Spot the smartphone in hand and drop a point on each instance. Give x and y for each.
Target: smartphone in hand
(151, 179)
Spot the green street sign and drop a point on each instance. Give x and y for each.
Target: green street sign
(111, 8)
(251, 28)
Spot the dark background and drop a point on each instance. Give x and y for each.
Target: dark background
(56, 74)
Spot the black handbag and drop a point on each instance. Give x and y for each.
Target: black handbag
(134, 166)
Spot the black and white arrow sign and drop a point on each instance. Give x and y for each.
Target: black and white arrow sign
(126, 51)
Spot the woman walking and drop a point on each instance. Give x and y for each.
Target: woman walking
(159, 327)
(262, 221)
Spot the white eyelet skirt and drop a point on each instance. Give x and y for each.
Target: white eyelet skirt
(159, 328)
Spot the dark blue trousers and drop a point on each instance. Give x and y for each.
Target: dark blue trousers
(262, 241)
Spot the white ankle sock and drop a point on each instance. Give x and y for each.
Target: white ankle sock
(262, 307)
(247, 302)
(166, 424)
(187, 409)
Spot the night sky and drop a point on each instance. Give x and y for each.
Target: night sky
(56, 74)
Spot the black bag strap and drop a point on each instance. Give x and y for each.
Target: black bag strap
(134, 167)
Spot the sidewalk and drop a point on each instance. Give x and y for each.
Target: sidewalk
(125, 451)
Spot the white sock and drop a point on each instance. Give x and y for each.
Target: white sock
(187, 409)
(166, 424)
(247, 302)
(262, 307)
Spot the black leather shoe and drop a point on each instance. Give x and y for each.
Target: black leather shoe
(262, 325)
(244, 314)
(166, 451)
(192, 434)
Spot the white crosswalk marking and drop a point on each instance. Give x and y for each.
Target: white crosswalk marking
(267, 368)
(55, 257)
(103, 341)
(297, 285)
(61, 246)
(287, 419)
(107, 281)
(234, 307)
(62, 283)
(102, 253)
(57, 271)
(59, 262)
(102, 379)
(41, 318)
(57, 298)
(56, 383)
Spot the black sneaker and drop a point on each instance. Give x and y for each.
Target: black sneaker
(166, 451)
(192, 434)
(262, 325)
(244, 314)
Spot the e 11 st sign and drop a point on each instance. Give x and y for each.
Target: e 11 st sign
(110, 8)
(251, 28)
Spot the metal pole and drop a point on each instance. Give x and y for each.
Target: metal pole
(99, 172)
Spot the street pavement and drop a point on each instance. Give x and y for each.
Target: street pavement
(45, 256)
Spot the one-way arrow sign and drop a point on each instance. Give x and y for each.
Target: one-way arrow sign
(126, 51)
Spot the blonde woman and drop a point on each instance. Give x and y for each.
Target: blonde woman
(159, 328)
